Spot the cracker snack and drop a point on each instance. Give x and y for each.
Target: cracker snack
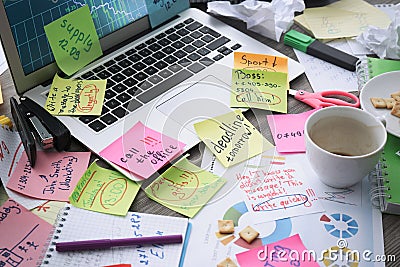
(228, 262)
(226, 226)
(248, 234)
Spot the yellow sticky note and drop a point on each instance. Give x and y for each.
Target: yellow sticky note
(184, 187)
(104, 190)
(264, 62)
(49, 210)
(73, 40)
(75, 97)
(259, 89)
(231, 138)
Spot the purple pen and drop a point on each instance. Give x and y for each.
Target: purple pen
(108, 243)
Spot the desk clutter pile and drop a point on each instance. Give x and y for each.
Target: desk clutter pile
(251, 202)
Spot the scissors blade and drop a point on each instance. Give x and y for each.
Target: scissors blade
(292, 92)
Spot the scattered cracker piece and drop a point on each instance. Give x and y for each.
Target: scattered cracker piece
(396, 109)
(249, 234)
(378, 102)
(396, 95)
(226, 226)
(389, 102)
(228, 262)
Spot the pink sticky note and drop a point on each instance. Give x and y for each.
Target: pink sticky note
(24, 235)
(142, 150)
(279, 254)
(288, 131)
(54, 177)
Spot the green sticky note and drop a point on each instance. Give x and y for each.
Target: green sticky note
(184, 187)
(259, 89)
(231, 138)
(73, 40)
(104, 190)
(75, 97)
(161, 11)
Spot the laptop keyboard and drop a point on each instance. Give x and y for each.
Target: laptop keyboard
(146, 71)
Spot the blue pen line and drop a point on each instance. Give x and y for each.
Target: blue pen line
(185, 243)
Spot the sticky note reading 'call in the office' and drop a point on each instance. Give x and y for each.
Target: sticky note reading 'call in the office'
(259, 89)
(231, 138)
(73, 40)
(288, 131)
(184, 187)
(142, 150)
(104, 190)
(250, 61)
(54, 176)
(75, 97)
(162, 10)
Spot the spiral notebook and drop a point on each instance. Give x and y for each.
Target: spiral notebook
(78, 224)
(385, 190)
(369, 67)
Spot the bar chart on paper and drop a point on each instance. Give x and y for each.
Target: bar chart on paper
(27, 29)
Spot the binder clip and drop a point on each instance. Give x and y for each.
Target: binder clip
(35, 125)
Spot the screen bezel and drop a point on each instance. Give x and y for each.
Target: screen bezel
(23, 82)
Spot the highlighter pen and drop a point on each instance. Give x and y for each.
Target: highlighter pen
(109, 243)
(320, 50)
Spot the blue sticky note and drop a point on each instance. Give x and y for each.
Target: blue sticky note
(162, 10)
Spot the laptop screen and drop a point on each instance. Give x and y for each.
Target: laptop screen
(28, 18)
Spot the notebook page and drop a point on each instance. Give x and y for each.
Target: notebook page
(80, 224)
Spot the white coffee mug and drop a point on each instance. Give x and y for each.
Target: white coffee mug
(343, 144)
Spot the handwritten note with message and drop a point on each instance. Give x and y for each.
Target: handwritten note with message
(24, 235)
(162, 10)
(75, 97)
(231, 138)
(184, 187)
(288, 131)
(73, 40)
(277, 191)
(259, 89)
(286, 252)
(54, 176)
(104, 190)
(49, 210)
(251, 61)
(142, 150)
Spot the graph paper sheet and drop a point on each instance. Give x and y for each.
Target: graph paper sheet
(79, 224)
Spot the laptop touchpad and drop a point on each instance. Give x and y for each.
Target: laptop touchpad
(205, 99)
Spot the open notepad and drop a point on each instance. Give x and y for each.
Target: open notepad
(78, 224)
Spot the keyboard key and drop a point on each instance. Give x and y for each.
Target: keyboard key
(160, 65)
(109, 63)
(182, 32)
(99, 68)
(119, 112)
(159, 55)
(110, 83)
(188, 21)
(160, 36)
(104, 110)
(179, 25)
(139, 66)
(175, 67)
(144, 85)
(130, 82)
(150, 41)
(198, 43)
(123, 97)
(104, 74)
(168, 50)
(134, 91)
(189, 48)
(217, 43)
(236, 46)
(196, 67)
(155, 79)
(128, 72)
(178, 45)
(109, 94)
(112, 103)
(154, 47)
(108, 119)
(180, 54)
(141, 46)
(140, 76)
(187, 39)
(149, 61)
(97, 126)
(125, 63)
(227, 52)
(119, 88)
(207, 38)
(151, 70)
(173, 37)
(194, 57)
(87, 75)
(165, 86)
(120, 57)
(196, 35)
(203, 51)
(170, 30)
(135, 58)
(170, 59)
(165, 73)
(206, 61)
(114, 68)
(87, 119)
(132, 105)
(194, 26)
(222, 49)
(119, 77)
(164, 42)
(205, 30)
(145, 52)
(218, 57)
(130, 52)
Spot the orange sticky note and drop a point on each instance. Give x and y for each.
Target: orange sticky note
(264, 62)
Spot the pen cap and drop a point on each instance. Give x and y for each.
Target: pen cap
(297, 40)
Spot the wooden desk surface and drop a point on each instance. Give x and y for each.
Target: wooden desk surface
(391, 223)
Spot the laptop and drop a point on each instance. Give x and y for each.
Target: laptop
(169, 77)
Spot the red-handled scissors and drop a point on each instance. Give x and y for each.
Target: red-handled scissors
(321, 99)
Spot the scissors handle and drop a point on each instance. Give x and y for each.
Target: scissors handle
(337, 101)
